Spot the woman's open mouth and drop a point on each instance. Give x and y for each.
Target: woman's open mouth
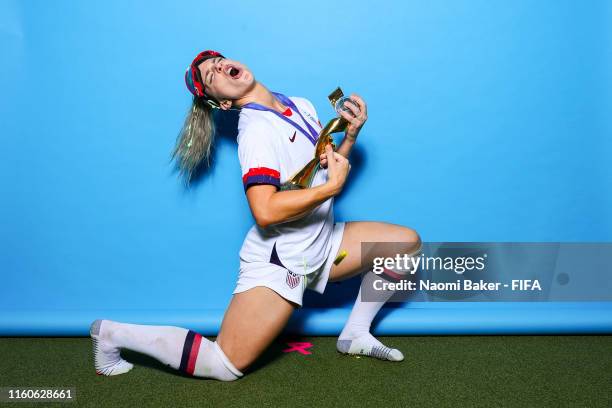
(233, 71)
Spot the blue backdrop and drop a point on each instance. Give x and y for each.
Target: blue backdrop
(488, 121)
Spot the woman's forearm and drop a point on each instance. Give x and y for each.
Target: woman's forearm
(289, 205)
(346, 146)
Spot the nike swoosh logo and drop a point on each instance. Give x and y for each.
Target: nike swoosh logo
(292, 138)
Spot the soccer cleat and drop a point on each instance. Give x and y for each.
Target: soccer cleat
(107, 358)
(367, 345)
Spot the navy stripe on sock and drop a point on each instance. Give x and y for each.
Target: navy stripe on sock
(187, 350)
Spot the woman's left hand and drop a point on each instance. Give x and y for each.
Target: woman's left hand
(356, 117)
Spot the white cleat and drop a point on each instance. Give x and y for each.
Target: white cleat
(364, 346)
(107, 358)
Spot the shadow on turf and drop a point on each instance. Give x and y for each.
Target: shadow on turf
(143, 360)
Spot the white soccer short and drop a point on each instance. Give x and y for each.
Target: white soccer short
(289, 285)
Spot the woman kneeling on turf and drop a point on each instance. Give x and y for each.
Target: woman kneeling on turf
(293, 244)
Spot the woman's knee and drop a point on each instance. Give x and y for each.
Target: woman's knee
(238, 359)
(237, 352)
(254, 318)
(411, 239)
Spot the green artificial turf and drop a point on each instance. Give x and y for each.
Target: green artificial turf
(466, 371)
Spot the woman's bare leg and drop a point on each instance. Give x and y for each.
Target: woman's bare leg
(357, 232)
(255, 317)
(355, 337)
(252, 321)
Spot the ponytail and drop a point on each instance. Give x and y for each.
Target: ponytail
(195, 140)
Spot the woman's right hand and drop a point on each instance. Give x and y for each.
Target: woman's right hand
(338, 168)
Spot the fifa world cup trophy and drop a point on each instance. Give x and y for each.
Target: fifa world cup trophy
(304, 177)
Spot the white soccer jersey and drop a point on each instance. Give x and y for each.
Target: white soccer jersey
(270, 152)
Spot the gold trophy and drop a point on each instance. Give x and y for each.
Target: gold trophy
(304, 177)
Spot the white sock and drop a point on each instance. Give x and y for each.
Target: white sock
(355, 338)
(176, 347)
(107, 357)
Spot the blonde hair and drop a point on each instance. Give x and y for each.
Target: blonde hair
(195, 140)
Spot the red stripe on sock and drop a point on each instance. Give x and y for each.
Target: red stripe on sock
(193, 354)
(393, 274)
